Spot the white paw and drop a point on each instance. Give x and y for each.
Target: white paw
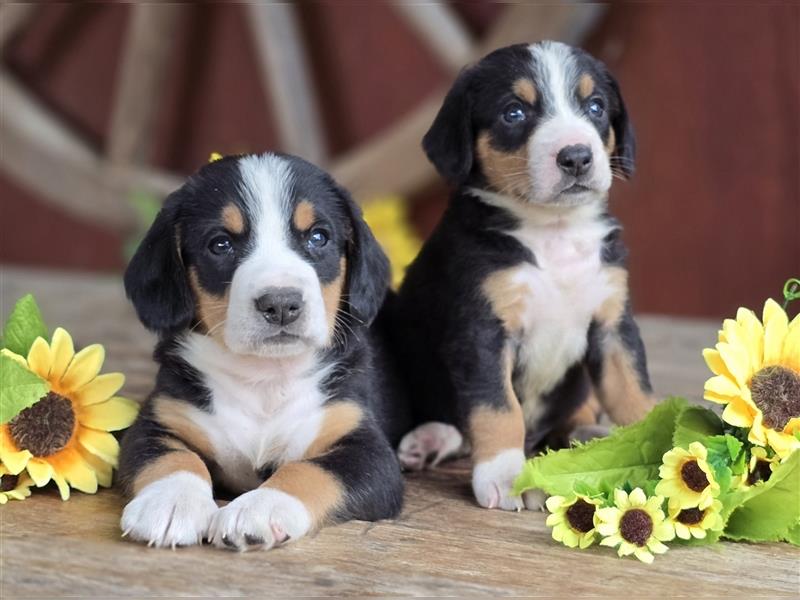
(534, 499)
(259, 518)
(173, 511)
(492, 480)
(428, 445)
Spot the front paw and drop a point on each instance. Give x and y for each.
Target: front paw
(260, 518)
(493, 479)
(173, 511)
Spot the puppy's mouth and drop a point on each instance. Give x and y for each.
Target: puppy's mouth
(282, 338)
(576, 188)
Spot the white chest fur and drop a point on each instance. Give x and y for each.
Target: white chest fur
(560, 295)
(261, 412)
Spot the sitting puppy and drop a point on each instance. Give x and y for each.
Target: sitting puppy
(261, 279)
(514, 320)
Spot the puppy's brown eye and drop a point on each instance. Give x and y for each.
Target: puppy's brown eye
(221, 245)
(317, 238)
(596, 107)
(514, 113)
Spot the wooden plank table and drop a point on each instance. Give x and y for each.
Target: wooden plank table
(443, 544)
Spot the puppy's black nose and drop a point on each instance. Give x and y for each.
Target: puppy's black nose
(280, 306)
(575, 160)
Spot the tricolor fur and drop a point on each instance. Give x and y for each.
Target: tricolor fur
(515, 320)
(261, 279)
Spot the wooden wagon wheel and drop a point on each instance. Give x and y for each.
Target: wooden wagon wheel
(43, 154)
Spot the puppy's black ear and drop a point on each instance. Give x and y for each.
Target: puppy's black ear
(155, 280)
(624, 155)
(368, 270)
(448, 143)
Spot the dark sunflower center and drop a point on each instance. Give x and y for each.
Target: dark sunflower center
(690, 516)
(693, 476)
(760, 472)
(581, 516)
(44, 428)
(635, 526)
(8, 483)
(776, 391)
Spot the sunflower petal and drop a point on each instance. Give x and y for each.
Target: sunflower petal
(753, 334)
(99, 443)
(113, 414)
(40, 358)
(720, 385)
(63, 488)
(77, 473)
(15, 460)
(84, 367)
(738, 414)
(621, 498)
(737, 361)
(637, 497)
(102, 470)
(40, 471)
(99, 389)
(63, 351)
(715, 363)
(776, 326)
(791, 346)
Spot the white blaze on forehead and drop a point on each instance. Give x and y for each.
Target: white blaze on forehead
(266, 189)
(556, 76)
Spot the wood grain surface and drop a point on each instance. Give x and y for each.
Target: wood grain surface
(442, 545)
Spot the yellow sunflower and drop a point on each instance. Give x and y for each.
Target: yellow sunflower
(388, 219)
(572, 519)
(636, 524)
(14, 487)
(760, 467)
(686, 477)
(757, 376)
(694, 522)
(64, 436)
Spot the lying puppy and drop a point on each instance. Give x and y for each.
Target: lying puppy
(261, 279)
(515, 316)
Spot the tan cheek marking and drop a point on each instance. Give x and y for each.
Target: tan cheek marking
(620, 393)
(232, 219)
(304, 215)
(611, 311)
(177, 459)
(525, 89)
(507, 298)
(507, 172)
(585, 86)
(611, 143)
(494, 430)
(332, 295)
(173, 415)
(339, 419)
(211, 310)
(320, 491)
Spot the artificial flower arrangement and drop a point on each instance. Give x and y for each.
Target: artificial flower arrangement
(685, 474)
(56, 409)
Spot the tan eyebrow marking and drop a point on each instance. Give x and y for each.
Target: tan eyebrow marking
(232, 218)
(524, 88)
(585, 86)
(304, 215)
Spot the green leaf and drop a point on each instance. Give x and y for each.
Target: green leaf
(734, 446)
(629, 454)
(770, 511)
(23, 326)
(793, 536)
(696, 424)
(19, 388)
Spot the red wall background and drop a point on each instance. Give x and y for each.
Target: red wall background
(712, 216)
